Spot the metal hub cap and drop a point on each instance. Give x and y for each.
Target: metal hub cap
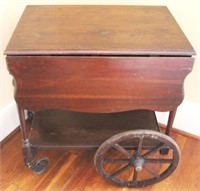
(137, 163)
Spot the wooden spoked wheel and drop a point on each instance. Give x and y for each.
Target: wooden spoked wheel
(133, 159)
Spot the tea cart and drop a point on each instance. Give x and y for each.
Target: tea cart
(93, 77)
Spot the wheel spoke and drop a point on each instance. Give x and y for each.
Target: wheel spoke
(121, 170)
(116, 161)
(140, 145)
(156, 149)
(151, 171)
(122, 150)
(135, 174)
(158, 160)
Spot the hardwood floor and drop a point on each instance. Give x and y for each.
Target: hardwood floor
(74, 170)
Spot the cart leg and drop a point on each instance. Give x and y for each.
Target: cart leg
(28, 153)
(26, 149)
(170, 122)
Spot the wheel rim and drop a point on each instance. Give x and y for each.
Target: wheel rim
(127, 159)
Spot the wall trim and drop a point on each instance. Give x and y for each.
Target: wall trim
(9, 120)
(187, 118)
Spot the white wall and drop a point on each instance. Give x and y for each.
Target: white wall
(185, 12)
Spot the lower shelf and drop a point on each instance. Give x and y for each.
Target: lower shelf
(60, 128)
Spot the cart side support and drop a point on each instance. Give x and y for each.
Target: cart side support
(170, 122)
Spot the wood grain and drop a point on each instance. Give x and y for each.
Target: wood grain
(99, 84)
(74, 170)
(57, 128)
(98, 30)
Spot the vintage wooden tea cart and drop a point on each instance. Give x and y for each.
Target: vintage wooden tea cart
(93, 77)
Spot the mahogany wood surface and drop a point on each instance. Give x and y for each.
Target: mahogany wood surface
(99, 84)
(98, 30)
(67, 129)
(99, 58)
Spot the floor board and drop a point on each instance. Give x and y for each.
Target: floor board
(74, 170)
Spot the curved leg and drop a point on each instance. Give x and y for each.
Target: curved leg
(28, 152)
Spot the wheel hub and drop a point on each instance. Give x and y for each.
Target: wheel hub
(137, 163)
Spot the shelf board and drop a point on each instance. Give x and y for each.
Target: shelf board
(61, 128)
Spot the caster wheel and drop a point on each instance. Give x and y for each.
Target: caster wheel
(133, 159)
(40, 166)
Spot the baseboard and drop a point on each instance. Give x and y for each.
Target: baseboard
(180, 132)
(187, 118)
(9, 120)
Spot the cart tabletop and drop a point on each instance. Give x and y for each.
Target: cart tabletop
(99, 58)
(98, 30)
